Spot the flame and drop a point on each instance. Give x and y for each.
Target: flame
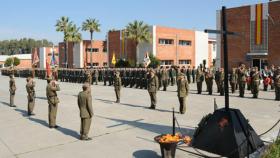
(168, 138)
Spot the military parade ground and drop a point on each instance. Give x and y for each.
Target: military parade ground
(124, 129)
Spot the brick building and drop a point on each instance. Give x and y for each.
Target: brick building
(25, 60)
(169, 45)
(45, 55)
(78, 54)
(259, 35)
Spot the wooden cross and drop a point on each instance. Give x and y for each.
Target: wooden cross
(224, 32)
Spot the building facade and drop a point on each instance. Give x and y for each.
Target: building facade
(258, 35)
(171, 46)
(79, 54)
(25, 60)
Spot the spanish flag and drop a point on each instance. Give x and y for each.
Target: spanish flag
(259, 24)
(114, 59)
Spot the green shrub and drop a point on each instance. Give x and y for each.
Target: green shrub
(273, 150)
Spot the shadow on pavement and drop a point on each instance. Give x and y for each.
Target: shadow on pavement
(5, 103)
(105, 101)
(42, 98)
(63, 130)
(145, 154)
(155, 128)
(22, 112)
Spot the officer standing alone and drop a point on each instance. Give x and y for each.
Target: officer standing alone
(86, 112)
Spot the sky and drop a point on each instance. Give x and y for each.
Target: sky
(37, 18)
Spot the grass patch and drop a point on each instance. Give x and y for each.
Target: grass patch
(273, 151)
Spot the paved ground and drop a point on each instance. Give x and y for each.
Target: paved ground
(119, 130)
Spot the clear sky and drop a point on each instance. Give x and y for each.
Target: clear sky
(36, 18)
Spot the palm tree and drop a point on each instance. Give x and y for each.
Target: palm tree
(91, 25)
(139, 32)
(61, 26)
(73, 34)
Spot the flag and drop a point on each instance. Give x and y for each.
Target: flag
(147, 60)
(48, 69)
(113, 59)
(35, 58)
(53, 61)
(258, 24)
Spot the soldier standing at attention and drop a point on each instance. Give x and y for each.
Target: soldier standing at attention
(255, 82)
(30, 85)
(209, 81)
(183, 90)
(53, 101)
(12, 89)
(96, 76)
(117, 85)
(188, 73)
(199, 80)
(152, 88)
(86, 112)
(164, 78)
(277, 84)
(241, 80)
(233, 80)
(221, 81)
(193, 74)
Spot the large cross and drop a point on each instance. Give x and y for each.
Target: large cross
(224, 32)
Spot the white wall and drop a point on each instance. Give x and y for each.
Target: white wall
(42, 57)
(201, 47)
(145, 47)
(218, 38)
(78, 55)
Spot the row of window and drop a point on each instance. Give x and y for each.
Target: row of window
(171, 62)
(97, 64)
(95, 50)
(171, 42)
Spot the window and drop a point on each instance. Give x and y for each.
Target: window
(185, 62)
(166, 41)
(185, 43)
(166, 62)
(214, 47)
(104, 64)
(93, 50)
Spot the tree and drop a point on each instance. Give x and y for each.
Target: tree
(73, 34)
(12, 61)
(62, 25)
(155, 62)
(139, 32)
(22, 46)
(91, 25)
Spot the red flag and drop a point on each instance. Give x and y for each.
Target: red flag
(48, 69)
(35, 59)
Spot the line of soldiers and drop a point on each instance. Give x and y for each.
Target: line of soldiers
(130, 77)
(239, 78)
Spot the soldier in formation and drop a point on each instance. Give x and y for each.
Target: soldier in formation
(199, 80)
(182, 90)
(12, 85)
(255, 81)
(117, 85)
(30, 89)
(152, 88)
(53, 101)
(209, 81)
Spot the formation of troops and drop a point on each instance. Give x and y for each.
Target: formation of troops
(143, 78)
